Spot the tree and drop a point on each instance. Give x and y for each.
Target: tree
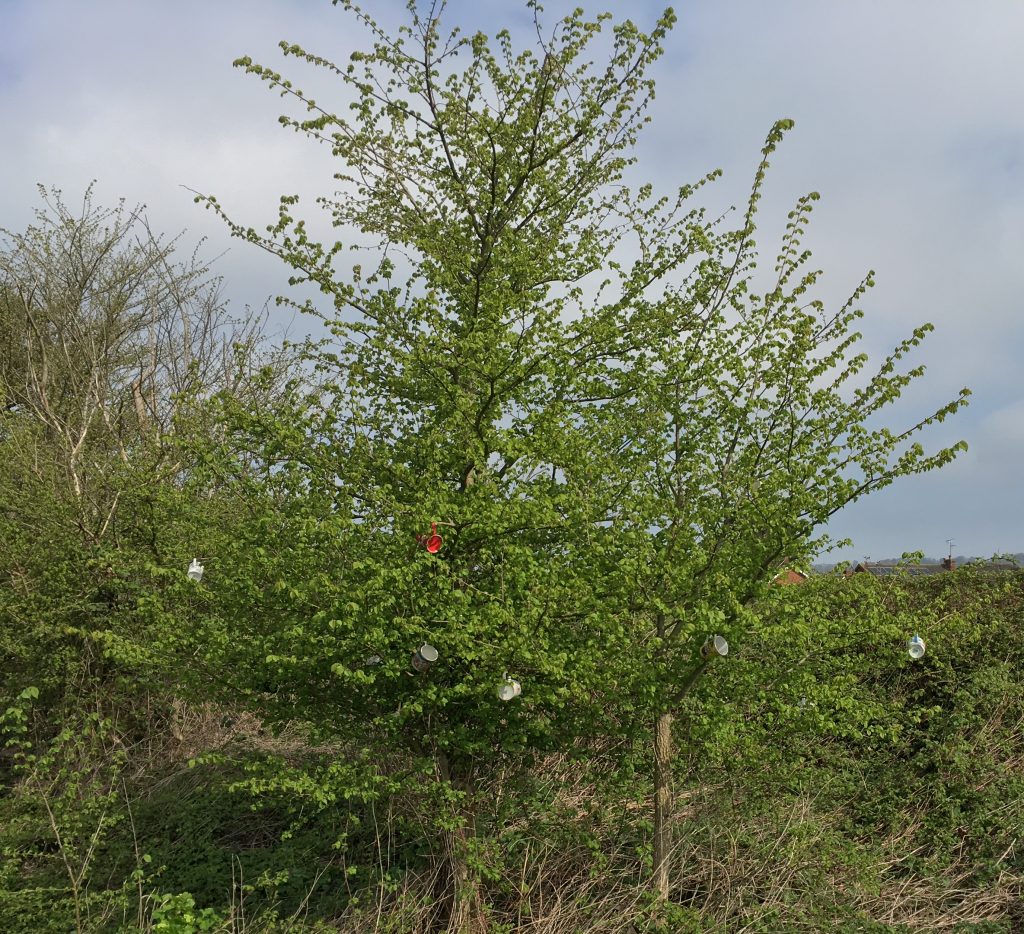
(113, 346)
(110, 338)
(620, 440)
(108, 332)
(747, 432)
(456, 397)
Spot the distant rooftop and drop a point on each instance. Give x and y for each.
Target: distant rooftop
(890, 568)
(880, 569)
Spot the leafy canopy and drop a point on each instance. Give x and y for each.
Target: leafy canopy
(621, 438)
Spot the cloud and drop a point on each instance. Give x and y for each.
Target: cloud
(908, 122)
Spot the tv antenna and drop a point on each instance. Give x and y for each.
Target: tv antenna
(951, 543)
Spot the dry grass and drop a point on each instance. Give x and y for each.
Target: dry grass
(776, 866)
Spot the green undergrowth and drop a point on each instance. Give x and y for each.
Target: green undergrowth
(900, 812)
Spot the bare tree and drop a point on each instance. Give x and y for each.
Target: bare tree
(105, 332)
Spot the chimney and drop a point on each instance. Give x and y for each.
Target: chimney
(949, 564)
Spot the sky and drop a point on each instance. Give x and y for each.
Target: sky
(909, 122)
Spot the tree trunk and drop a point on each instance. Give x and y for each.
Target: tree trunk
(459, 900)
(662, 802)
(459, 896)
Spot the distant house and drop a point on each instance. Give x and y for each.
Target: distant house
(890, 568)
(789, 576)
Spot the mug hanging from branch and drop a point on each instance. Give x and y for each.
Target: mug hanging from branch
(432, 542)
(715, 646)
(508, 688)
(424, 657)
